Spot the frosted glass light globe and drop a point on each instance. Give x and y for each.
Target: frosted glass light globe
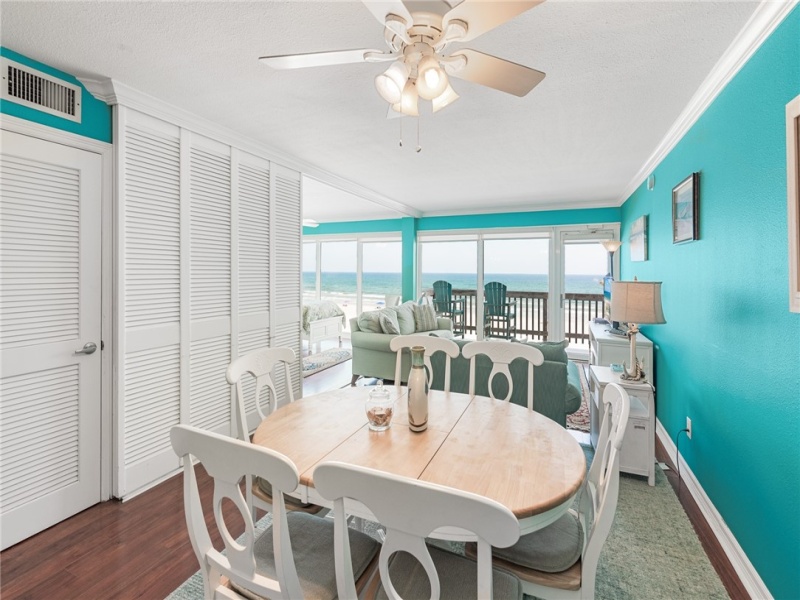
(431, 78)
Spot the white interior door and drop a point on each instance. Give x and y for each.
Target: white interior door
(50, 300)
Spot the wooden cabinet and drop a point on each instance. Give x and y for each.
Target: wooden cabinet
(638, 447)
(606, 348)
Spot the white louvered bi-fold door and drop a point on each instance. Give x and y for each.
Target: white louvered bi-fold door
(150, 381)
(210, 283)
(287, 215)
(50, 301)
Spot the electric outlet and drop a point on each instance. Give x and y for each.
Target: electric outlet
(689, 427)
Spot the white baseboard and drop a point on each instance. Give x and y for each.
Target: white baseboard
(741, 564)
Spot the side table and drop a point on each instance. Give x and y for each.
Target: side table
(638, 448)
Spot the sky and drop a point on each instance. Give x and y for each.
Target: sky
(524, 256)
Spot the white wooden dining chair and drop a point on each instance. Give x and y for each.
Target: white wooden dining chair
(263, 565)
(411, 510)
(431, 344)
(559, 562)
(260, 364)
(502, 354)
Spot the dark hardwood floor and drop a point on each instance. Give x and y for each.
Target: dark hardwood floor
(141, 548)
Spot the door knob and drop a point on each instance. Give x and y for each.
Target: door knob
(88, 348)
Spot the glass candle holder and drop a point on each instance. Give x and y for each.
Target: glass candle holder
(380, 408)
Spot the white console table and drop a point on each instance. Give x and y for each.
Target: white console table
(606, 348)
(638, 454)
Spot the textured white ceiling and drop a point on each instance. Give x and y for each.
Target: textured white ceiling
(618, 75)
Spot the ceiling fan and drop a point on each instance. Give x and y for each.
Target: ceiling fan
(417, 40)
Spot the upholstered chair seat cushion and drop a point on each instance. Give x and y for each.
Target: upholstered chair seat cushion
(312, 546)
(457, 576)
(553, 549)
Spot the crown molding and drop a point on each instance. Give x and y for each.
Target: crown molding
(750, 578)
(113, 92)
(764, 20)
(523, 208)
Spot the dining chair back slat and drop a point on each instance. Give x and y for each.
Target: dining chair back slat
(502, 354)
(431, 344)
(411, 510)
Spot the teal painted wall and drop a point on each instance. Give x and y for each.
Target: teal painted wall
(95, 114)
(409, 226)
(729, 355)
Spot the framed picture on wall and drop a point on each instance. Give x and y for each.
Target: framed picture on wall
(638, 239)
(685, 208)
(793, 189)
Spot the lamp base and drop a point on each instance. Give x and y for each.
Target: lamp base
(634, 374)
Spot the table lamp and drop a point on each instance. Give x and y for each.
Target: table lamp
(635, 303)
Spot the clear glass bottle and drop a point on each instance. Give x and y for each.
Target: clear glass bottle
(417, 391)
(380, 408)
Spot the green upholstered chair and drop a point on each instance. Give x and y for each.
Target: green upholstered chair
(447, 306)
(499, 313)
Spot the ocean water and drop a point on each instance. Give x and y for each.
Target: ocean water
(390, 283)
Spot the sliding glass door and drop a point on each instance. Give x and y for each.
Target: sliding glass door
(454, 260)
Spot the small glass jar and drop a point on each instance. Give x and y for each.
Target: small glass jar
(380, 408)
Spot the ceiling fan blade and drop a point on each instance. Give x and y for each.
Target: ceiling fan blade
(481, 16)
(317, 59)
(496, 73)
(381, 8)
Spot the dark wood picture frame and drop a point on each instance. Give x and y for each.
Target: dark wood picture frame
(685, 209)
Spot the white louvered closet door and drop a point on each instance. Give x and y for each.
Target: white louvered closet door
(253, 216)
(210, 285)
(150, 258)
(286, 288)
(50, 299)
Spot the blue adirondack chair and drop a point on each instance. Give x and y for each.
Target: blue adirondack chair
(447, 306)
(499, 314)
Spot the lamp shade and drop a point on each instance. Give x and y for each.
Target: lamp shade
(636, 302)
(611, 245)
(390, 83)
(431, 78)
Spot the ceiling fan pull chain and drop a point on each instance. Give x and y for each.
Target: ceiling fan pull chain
(401, 132)
(419, 148)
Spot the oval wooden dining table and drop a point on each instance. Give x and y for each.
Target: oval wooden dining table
(500, 450)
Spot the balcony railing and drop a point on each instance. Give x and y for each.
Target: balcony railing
(532, 313)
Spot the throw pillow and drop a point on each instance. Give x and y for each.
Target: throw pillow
(405, 317)
(370, 321)
(388, 321)
(556, 351)
(424, 317)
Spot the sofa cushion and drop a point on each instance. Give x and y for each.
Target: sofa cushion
(370, 321)
(552, 350)
(405, 317)
(388, 321)
(424, 317)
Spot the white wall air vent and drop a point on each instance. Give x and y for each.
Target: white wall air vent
(40, 91)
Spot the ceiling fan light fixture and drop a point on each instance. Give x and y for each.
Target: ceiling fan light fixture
(391, 82)
(431, 78)
(409, 103)
(446, 98)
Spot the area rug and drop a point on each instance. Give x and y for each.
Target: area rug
(579, 420)
(324, 360)
(652, 551)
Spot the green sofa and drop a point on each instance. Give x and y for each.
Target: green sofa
(556, 383)
(372, 356)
